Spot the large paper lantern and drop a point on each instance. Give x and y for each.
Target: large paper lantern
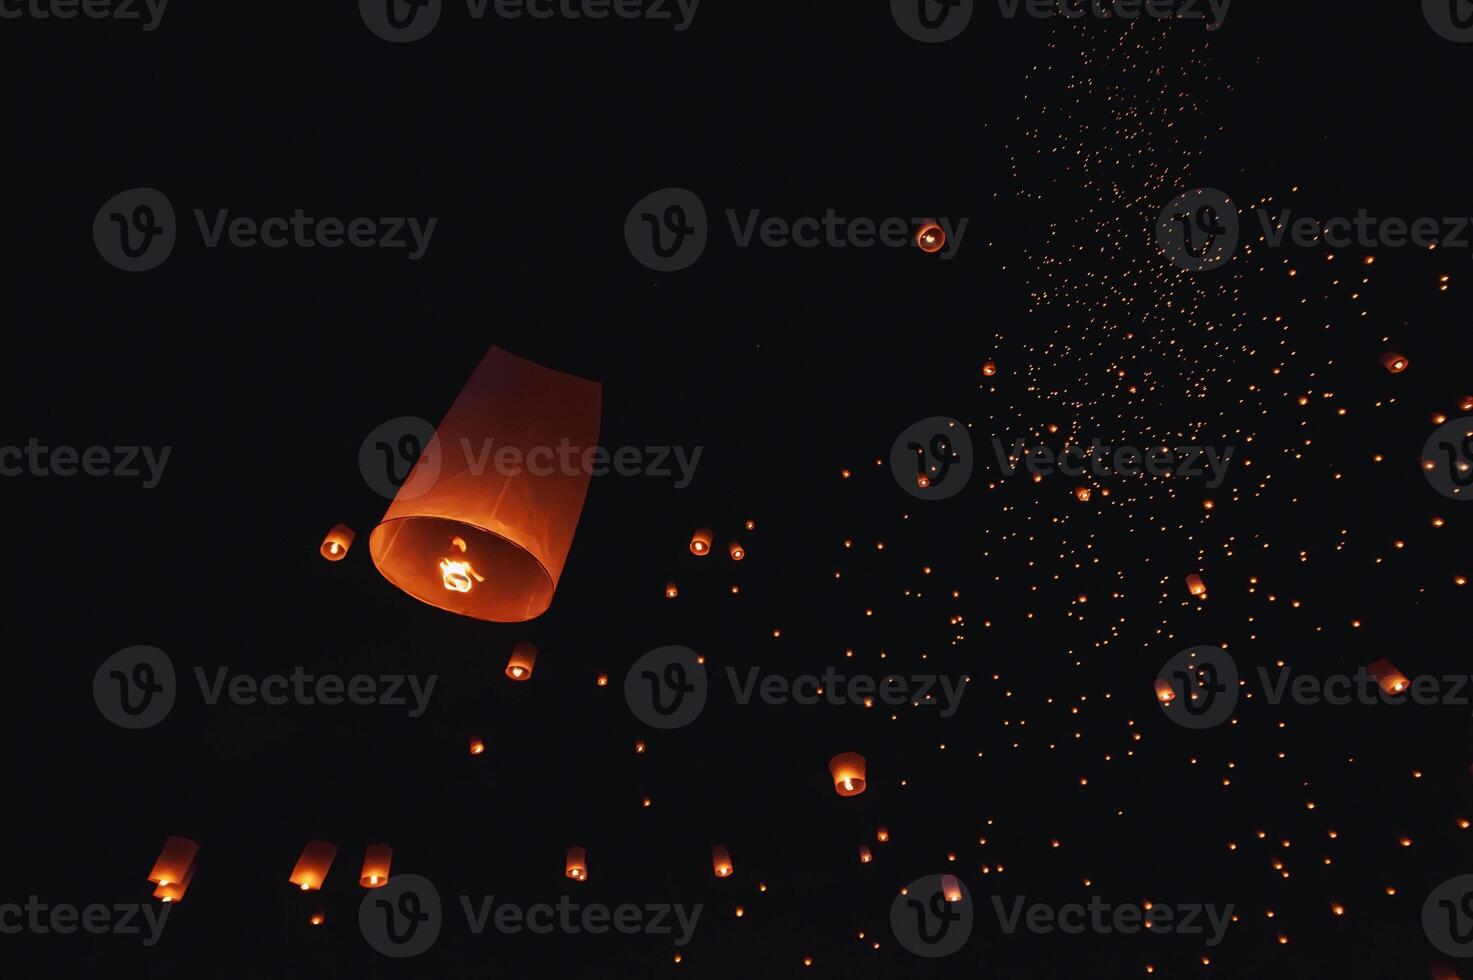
(523, 658)
(721, 861)
(483, 523)
(376, 862)
(174, 861)
(311, 867)
(847, 768)
(576, 864)
(174, 890)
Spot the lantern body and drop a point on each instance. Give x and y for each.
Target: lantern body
(721, 861)
(1164, 692)
(951, 888)
(1394, 362)
(483, 523)
(477, 746)
(882, 834)
(700, 541)
(847, 768)
(576, 865)
(930, 238)
(1196, 586)
(311, 867)
(865, 857)
(1391, 680)
(989, 369)
(174, 890)
(174, 861)
(336, 543)
(736, 551)
(376, 862)
(671, 590)
(523, 656)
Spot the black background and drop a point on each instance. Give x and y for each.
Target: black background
(530, 141)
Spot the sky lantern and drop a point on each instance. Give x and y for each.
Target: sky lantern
(311, 867)
(930, 238)
(1083, 493)
(989, 368)
(1392, 681)
(1196, 586)
(174, 861)
(671, 590)
(483, 523)
(721, 861)
(477, 746)
(1164, 692)
(865, 856)
(174, 890)
(317, 918)
(736, 551)
(523, 656)
(576, 865)
(1394, 362)
(882, 834)
(847, 768)
(337, 542)
(700, 541)
(951, 888)
(376, 862)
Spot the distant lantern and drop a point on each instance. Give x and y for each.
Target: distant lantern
(174, 890)
(484, 537)
(989, 368)
(477, 746)
(317, 918)
(700, 542)
(174, 861)
(1196, 586)
(671, 590)
(951, 888)
(847, 768)
(721, 861)
(1394, 362)
(337, 542)
(865, 857)
(1392, 681)
(1083, 493)
(576, 865)
(376, 862)
(312, 866)
(523, 656)
(882, 834)
(930, 238)
(1164, 692)
(736, 551)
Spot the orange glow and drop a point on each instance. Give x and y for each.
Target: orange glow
(736, 551)
(1083, 493)
(477, 746)
(376, 862)
(700, 541)
(1164, 693)
(865, 857)
(523, 657)
(174, 890)
(1196, 586)
(882, 834)
(576, 866)
(1394, 362)
(513, 521)
(951, 888)
(1392, 681)
(721, 861)
(311, 868)
(336, 543)
(671, 590)
(989, 369)
(174, 861)
(848, 770)
(317, 918)
(930, 238)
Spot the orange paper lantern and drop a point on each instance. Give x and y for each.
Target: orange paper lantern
(337, 542)
(721, 861)
(1164, 692)
(1392, 681)
(847, 768)
(951, 888)
(865, 857)
(311, 867)
(671, 590)
(930, 238)
(477, 746)
(736, 551)
(576, 865)
(989, 369)
(1394, 362)
(523, 656)
(882, 834)
(700, 541)
(1196, 586)
(483, 523)
(174, 890)
(174, 861)
(376, 862)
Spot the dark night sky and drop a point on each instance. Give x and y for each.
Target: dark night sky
(265, 370)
